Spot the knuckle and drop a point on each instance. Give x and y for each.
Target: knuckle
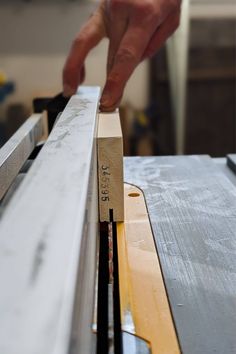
(126, 55)
(146, 13)
(116, 5)
(146, 9)
(85, 31)
(80, 39)
(113, 79)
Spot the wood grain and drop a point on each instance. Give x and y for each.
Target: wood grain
(192, 208)
(110, 167)
(16, 151)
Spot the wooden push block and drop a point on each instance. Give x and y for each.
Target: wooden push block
(110, 167)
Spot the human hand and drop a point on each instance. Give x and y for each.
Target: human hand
(136, 30)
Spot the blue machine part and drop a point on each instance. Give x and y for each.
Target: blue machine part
(6, 90)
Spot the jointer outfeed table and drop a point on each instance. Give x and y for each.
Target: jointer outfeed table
(90, 264)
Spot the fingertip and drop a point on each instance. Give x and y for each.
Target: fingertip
(68, 91)
(105, 100)
(109, 105)
(107, 109)
(82, 75)
(69, 81)
(112, 90)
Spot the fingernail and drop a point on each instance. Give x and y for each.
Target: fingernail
(105, 100)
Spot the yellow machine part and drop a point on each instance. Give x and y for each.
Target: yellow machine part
(142, 291)
(3, 78)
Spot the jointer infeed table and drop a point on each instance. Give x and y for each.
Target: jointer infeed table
(89, 264)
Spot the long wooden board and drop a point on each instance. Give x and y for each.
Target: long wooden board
(48, 241)
(18, 148)
(192, 209)
(110, 167)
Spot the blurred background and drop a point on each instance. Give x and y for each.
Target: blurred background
(182, 101)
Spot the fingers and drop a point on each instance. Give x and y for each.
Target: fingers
(145, 26)
(126, 59)
(162, 33)
(118, 19)
(136, 29)
(82, 75)
(90, 35)
(117, 31)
